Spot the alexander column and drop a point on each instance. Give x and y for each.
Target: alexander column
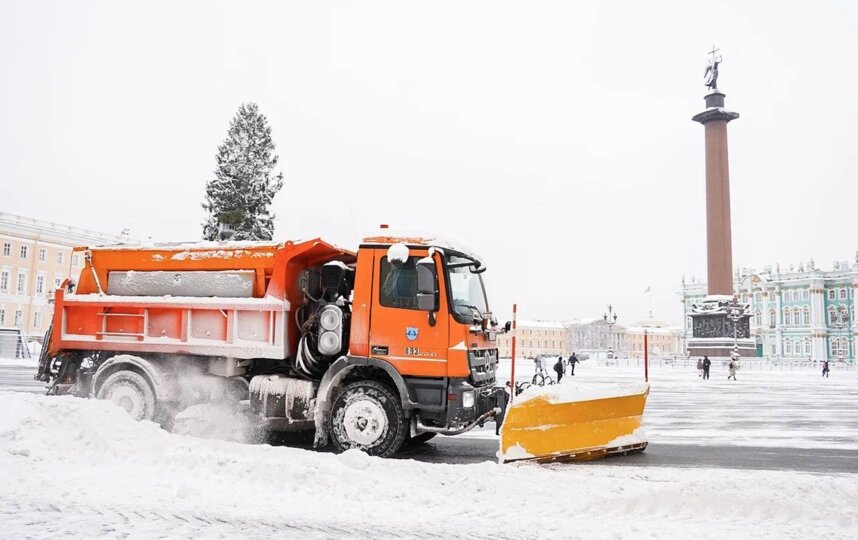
(720, 325)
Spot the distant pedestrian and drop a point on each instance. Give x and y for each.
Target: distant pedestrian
(558, 368)
(700, 367)
(733, 365)
(572, 361)
(825, 369)
(706, 364)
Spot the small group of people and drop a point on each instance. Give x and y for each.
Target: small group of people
(561, 364)
(703, 365)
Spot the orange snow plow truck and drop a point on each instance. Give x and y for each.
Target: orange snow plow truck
(369, 349)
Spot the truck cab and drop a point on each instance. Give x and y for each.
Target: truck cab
(422, 308)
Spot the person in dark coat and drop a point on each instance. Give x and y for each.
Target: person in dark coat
(825, 369)
(706, 364)
(558, 368)
(572, 361)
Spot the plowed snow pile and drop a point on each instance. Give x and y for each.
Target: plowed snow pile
(83, 468)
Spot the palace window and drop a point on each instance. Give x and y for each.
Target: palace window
(788, 347)
(43, 255)
(75, 260)
(7, 249)
(796, 317)
(758, 297)
(19, 318)
(2, 317)
(805, 317)
(832, 294)
(60, 256)
(807, 346)
(23, 252)
(758, 318)
(40, 284)
(772, 318)
(37, 320)
(843, 294)
(805, 295)
(4, 281)
(786, 317)
(22, 283)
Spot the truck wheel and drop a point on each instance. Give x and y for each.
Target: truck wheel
(368, 415)
(131, 391)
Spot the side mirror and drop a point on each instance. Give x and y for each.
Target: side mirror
(427, 285)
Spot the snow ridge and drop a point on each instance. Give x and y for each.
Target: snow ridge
(83, 468)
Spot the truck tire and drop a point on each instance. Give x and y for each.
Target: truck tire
(130, 391)
(368, 415)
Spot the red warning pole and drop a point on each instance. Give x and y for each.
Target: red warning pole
(646, 356)
(512, 373)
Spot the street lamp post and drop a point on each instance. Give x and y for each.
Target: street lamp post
(841, 320)
(610, 319)
(735, 311)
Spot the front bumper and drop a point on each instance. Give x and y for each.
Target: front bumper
(486, 399)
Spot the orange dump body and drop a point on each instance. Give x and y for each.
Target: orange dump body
(255, 325)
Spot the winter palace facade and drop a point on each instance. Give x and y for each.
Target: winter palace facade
(799, 313)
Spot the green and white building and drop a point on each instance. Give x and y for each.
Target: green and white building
(800, 313)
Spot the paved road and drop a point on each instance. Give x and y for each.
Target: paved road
(20, 379)
(467, 450)
(482, 447)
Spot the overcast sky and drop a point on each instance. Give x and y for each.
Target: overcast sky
(555, 138)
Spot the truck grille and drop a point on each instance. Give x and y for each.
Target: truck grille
(484, 366)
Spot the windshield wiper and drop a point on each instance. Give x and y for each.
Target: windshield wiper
(477, 314)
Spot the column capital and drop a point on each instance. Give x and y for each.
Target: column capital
(713, 114)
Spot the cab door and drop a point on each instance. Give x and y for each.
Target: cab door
(415, 343)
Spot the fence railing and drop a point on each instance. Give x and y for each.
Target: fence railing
(746, 363)
(13, 344)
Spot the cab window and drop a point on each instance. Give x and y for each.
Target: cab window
(399, 284)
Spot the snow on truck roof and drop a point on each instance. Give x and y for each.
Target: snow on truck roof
(174, 246)
(210, 249)
(392, 236)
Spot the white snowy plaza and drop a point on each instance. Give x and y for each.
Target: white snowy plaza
(82, 468)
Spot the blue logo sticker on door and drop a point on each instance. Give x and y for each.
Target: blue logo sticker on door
(411, 333)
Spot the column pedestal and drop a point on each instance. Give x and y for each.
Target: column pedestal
(713, 330)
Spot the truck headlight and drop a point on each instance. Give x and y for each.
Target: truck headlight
(468, 399)
(329, 343)
(331, 318)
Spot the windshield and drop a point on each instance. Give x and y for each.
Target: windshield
(468, 293)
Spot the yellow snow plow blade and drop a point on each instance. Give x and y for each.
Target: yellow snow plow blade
(544, 428)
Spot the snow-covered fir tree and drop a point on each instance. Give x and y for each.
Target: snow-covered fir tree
(239, 196)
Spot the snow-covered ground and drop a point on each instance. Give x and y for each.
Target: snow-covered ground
(793, 408)
(20, 362)
(82, 468)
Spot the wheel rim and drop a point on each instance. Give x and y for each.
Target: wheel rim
(129, 397)
(365, 422)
